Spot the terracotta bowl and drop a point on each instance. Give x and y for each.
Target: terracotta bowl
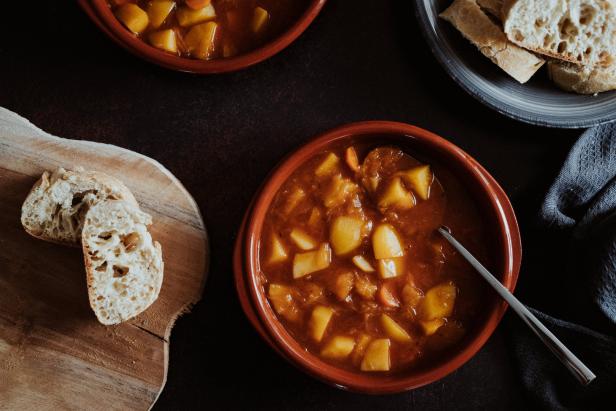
(100, 13)
(490, 198)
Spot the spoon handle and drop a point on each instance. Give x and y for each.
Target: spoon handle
(583, 374)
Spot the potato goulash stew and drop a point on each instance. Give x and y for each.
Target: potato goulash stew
(354, 268)
(207, 29)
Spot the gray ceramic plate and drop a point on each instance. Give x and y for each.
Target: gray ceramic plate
(536, 102)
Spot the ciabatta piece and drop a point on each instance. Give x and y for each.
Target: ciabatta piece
(476, 26)
(124, 265)
(56, 205)
(582, 32)
(582, 80)
(494, 7)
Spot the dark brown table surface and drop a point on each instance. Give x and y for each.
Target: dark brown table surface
(220, 135)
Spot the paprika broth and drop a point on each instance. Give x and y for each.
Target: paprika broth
(207, 29)
(353, 265)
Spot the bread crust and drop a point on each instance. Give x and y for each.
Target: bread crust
(488, 37)
(582, 80)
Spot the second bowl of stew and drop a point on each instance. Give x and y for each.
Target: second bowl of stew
(340, 268)
(203, 36)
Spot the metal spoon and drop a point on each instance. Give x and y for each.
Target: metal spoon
(583, 374)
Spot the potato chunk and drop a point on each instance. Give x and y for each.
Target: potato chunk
(200, 40)
(396, 197)
(360, 348)
(158, 11)
(338, 348)
(133, 17)
(432, 326)
(350, 156)
(386, 243)
(277, 251)
(302, 240)
(376, 357)
(345, 234)
(390, 267)
(311, 261)
(319, 320)
(259, 19)
(282, 299)
(164, 40)
(394, 330)
(411, 295)
(363, 264)
(327, 166)
(343, 285)
(438, 302)
(339, 191)
(189, 17)
(420, 179)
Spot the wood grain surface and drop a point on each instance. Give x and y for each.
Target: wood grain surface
(53, 352)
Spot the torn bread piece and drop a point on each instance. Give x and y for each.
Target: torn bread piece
(57, 203)
(479, 29)
(494, 7)
(582, 32)
(124, 265)
(582, 80)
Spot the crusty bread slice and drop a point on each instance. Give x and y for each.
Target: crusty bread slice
(582, 32)
(124, 265)
(55, 207)
(582, 80)
(494, 7)
(479, 29)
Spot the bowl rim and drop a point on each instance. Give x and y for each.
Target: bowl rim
(100, 12)
(264, 320)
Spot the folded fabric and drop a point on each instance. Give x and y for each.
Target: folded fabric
(579, 214)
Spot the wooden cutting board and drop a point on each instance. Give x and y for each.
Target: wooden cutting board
(53, 352)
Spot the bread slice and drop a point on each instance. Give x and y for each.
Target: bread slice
(582, 80)
(476, 26)
(582, 32)
(124, 265)
(494, 7)
(55, 207)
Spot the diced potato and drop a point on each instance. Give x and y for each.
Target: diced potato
(259, 19)
(133, 17)
(376, 357)
(164, 40)
(360, 348)
(312, 261)
(362, 264)
(315, 218)
(420, 179)
(277, 251)
(438, 302)
(200, 40)
(394, 330)
(390, 267)
(365, 287)
(386, 243)
(294, 199)
(431, 326)
(411, 295)
(345, 234)
(189, 17)
(386, 296)
(396, 196)
(338, 347)
(282, 300)
(327, 166)
(302, 240)
(343, 285)
(158, 11)
(350, 156)
(319, 320)
(340, 190)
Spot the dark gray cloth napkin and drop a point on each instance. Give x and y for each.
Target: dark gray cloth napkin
(579, 212)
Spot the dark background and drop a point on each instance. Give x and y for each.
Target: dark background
(220, 135)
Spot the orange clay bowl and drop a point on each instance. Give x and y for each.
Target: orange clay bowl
(100, 13)
(490, 198)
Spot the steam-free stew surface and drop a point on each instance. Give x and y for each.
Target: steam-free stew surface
(354, 268)
(207, 29)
